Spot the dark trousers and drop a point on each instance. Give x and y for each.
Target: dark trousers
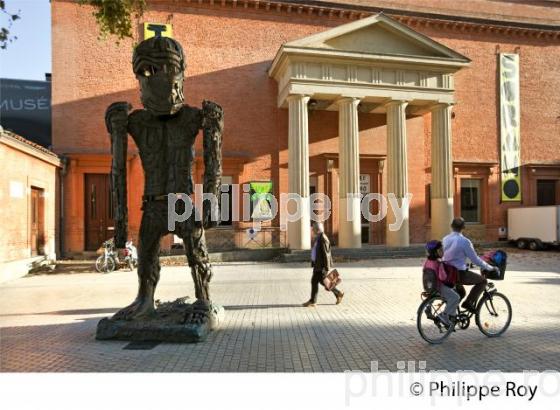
(466, 277)
(315, 280)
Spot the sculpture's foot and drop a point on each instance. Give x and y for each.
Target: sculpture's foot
(140, 308)
(176, 321)
(199, 313)
(205, 312)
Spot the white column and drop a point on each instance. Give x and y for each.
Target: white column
(299, 231)
(349, 222)
(442, 172)
(397, 172)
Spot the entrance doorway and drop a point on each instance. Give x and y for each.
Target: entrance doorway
(37, 225)
(546, 192)
(100, 224)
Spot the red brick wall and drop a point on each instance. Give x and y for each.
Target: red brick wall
(21, 172)
(228, 54)
(535, 11)
(476, 129)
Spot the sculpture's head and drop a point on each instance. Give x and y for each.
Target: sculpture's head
(159, 63)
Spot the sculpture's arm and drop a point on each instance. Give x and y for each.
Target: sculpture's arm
(116, 120)
(212, 127)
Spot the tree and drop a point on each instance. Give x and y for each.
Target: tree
(5, 36)
(115, 16)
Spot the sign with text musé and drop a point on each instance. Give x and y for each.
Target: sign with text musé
(157, 30)
(25, 108)
(510, 164)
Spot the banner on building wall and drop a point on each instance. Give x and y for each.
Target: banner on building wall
(157, 30)
(510, 164)
(261, 200)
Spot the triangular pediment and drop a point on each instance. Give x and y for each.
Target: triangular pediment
(378, 35)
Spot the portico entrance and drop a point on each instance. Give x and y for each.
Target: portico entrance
(374, 65)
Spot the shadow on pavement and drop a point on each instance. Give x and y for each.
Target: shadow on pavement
(304, 345)
(252, 307)
(67, 312)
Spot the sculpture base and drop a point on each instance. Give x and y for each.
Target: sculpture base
(177, 322)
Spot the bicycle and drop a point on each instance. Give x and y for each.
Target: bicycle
(492, 316)
(109, 260)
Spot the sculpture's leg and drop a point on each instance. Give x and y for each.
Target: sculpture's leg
(148, 268)
(199, 262)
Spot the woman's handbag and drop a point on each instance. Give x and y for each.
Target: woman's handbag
(331, 280)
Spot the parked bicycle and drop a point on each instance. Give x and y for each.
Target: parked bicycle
(109, 260)
(130, 255)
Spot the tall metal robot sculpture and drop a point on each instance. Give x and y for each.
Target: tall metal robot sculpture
(164, 132)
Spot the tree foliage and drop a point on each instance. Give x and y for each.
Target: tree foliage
(5, 36)
(114, 17)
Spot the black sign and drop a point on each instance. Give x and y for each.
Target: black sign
(25, 108)
(157, 29)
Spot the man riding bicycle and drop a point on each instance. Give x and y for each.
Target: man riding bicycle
(456, 249)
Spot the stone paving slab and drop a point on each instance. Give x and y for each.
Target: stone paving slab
(48, 323)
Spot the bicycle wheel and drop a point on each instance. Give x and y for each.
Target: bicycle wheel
(429, 326)
(103, 265)
(100, 264)
(111, 265)
(493, 314)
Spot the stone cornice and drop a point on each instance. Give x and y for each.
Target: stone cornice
(348, 12)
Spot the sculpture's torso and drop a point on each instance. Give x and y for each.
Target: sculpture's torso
(166, 147)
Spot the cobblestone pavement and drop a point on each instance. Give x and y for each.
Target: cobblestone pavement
(47, 323)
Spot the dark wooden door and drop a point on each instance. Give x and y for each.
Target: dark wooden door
(99, 211)
(546, 192)
(37, 223)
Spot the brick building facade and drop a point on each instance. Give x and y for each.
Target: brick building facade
(28, 233)
(231, 48)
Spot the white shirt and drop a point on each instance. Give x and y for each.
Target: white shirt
(456, 248)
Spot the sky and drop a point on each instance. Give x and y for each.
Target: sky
(28, 57)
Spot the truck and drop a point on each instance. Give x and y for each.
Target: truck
(534, 227)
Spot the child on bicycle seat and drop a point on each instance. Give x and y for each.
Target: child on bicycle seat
(445, 280)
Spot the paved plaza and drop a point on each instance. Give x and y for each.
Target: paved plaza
(47, 322)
